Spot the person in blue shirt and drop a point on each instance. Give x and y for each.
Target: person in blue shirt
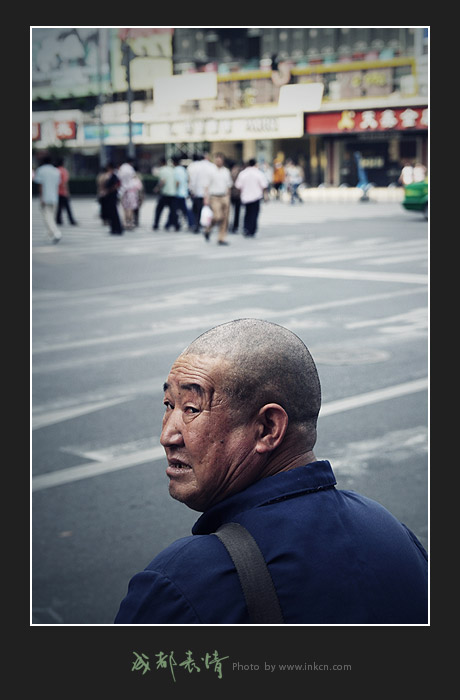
(182, 193)
(239, 428)
(167, 188)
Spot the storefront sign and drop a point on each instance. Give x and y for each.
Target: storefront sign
(367, 83)
(226, 128)
(65, 130)
(36, 131)
(368, 120)
(52, 128)
(112, 133)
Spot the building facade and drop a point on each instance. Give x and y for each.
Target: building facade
(95, 96)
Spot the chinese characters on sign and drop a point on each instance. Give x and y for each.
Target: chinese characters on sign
(168, 662)
(65, 130)
(367, 120)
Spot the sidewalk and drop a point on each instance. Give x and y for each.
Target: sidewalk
(349, 194)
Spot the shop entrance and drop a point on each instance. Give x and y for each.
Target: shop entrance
(380, 159)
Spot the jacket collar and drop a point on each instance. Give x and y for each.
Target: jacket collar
(311, 477)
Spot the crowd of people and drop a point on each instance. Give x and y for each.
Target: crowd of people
(208, 192)
(211, 191)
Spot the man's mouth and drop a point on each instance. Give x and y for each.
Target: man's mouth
(176, 465)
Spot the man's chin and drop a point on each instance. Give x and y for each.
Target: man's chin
(191, 500)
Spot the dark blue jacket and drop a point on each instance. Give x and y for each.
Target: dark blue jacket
(335, 558)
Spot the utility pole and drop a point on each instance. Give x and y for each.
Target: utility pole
(100, 100)
(127, 56)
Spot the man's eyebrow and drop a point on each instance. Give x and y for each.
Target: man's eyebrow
(193, 387)
(187, 387)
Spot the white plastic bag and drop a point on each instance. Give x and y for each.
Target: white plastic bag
(206, 216)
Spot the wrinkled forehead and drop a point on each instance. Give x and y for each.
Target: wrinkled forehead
(204, 373)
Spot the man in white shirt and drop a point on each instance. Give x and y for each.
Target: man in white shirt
(47, 178)
(407, 174)
(217, 196)
(199, 172)
(252, 183)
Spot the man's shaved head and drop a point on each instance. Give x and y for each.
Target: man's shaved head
(266, 364)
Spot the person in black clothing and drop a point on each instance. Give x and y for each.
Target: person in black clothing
(235, 199)
(111, 186)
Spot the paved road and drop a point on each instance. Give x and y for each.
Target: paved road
(111, 313)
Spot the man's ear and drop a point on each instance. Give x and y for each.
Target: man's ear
(272, 422)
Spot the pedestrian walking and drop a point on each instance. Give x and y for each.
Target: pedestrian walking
(407, 174)
(48, 177)
(64, 194)
(167, 188)
(197, 201)
(110, 197)
(182, 193)
(127, 191)
(252, 184)
(140, 194)
(419, 172)
(125, 172)
(217, 196)
(235, 197)
(279, 176)
(266, 169)
(199, 172)
(129, 198)
(294, 178)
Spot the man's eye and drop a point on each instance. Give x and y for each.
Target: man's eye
(191, 409)
(168, 404)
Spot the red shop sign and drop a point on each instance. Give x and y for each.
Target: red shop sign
(36, 131)
(65, 130)
(359, 121)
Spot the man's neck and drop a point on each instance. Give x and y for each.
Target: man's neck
(293, 452)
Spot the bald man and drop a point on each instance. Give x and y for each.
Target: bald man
(241, 408)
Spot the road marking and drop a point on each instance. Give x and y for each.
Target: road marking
(347, 302)
(66, 408)
(352, 458)
(59, 415)
(366, 253)
(397, 259)
(330, 273)
(84, 471)
(417, 317)
(371, 397)
(190, 324)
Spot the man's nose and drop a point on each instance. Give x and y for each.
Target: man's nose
(171, 433)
